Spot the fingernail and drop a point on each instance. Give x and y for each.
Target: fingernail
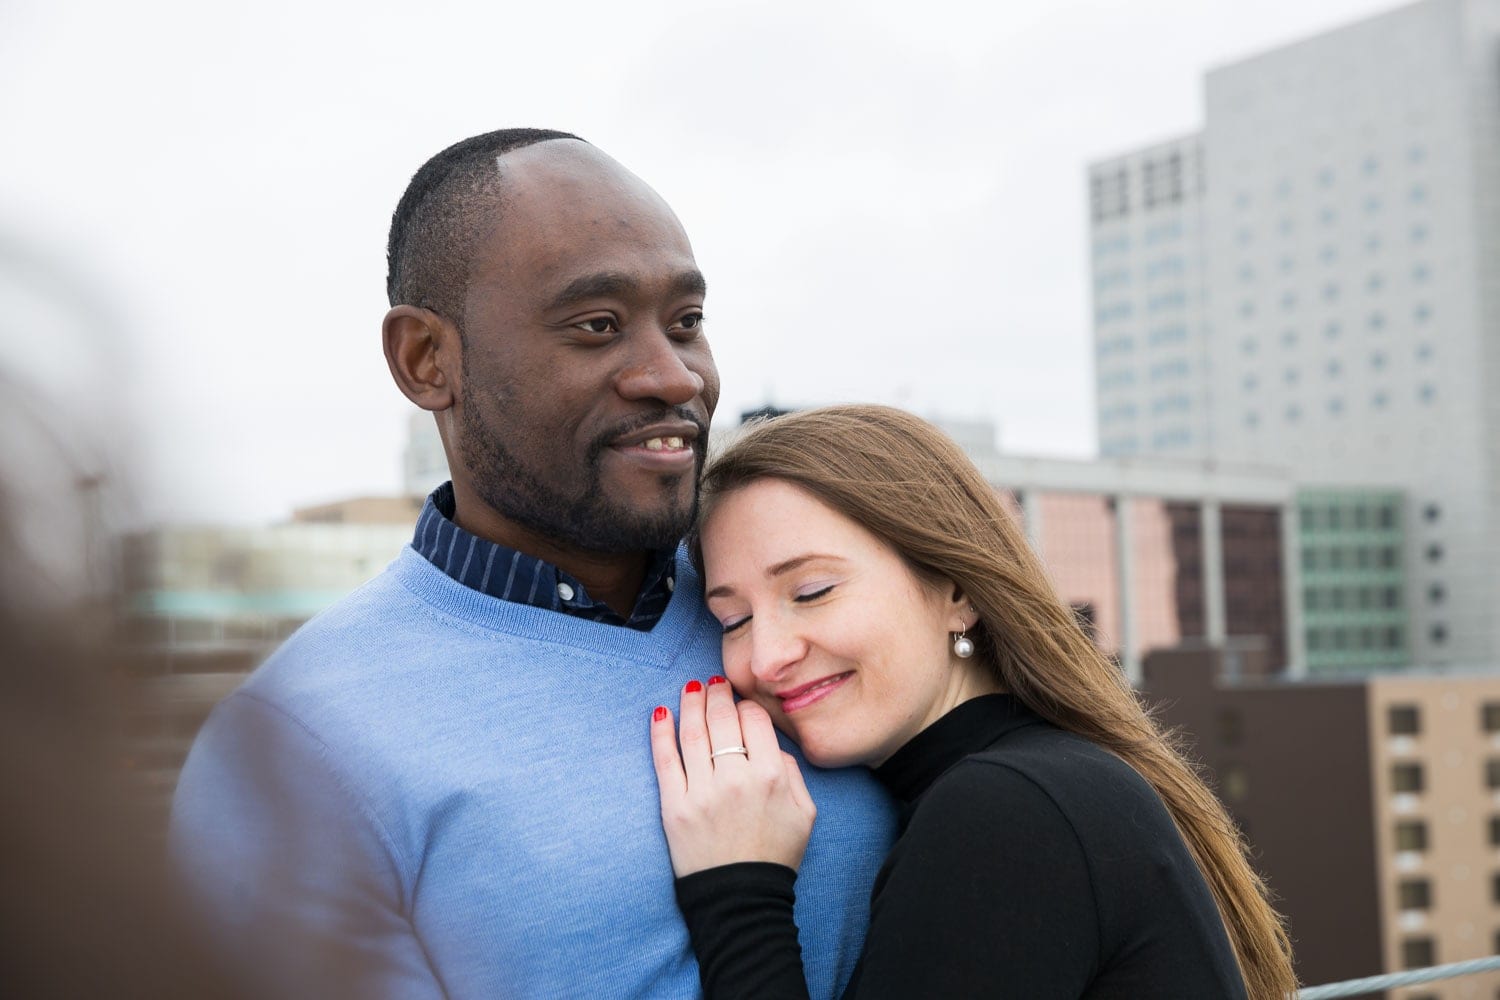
(659, 714)
(693, 687)
(715, 680)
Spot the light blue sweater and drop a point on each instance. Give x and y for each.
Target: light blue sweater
(429, 792)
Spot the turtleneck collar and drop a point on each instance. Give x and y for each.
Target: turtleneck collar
(969, 728)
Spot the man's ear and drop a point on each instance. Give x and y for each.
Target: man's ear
(424, 353)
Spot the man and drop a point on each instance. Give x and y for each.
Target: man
(442, 786)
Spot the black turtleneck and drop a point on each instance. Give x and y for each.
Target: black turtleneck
(1029, 864)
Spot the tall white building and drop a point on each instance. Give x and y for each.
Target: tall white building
(1350, 279)
(1150, 344)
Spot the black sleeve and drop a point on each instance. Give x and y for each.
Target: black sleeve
(988, 893)
(739, 918)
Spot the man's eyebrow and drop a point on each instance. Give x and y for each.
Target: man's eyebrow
(612, 284)
(786, 566)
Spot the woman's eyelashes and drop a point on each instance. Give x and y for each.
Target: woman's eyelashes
(813, 593)
(805, 595)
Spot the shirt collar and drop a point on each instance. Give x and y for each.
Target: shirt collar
(511, 575)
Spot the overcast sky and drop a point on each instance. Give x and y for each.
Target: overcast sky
(888, 201)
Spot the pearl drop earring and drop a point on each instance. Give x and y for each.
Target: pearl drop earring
(963, 646)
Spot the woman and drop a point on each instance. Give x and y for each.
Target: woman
(881, 607)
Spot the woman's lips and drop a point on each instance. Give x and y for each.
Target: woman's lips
(807, 694)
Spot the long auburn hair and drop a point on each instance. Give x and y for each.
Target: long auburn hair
(909, 485)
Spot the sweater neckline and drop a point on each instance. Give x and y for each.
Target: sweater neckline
(681, 623)
(968, 728)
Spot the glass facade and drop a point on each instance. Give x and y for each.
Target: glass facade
(1354, 602)
(1254, 593)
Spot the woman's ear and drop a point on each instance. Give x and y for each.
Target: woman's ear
(962, 614)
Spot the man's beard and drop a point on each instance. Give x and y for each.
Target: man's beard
(589, 520)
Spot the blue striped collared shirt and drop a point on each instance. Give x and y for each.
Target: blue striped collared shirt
(514, 576)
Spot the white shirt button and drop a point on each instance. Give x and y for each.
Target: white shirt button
(564, 591)
(671, 584)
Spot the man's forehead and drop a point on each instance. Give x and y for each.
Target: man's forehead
(567, 168)
(570, 218)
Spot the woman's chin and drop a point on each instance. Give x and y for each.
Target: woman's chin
(830, 758)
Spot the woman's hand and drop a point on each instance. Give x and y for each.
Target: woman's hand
(733, 794)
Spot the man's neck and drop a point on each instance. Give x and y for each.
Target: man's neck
(612, 578)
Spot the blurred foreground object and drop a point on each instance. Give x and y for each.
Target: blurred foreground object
(88, 908)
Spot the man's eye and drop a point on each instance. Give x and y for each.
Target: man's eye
(601, 324)
(692, 321)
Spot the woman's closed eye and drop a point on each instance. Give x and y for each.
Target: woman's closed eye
(819, 590)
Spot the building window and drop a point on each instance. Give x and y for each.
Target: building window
(1436, 593)
(1438, 634)
(1489, 716)
(1435, 552)
(1415, 894)
(1404, 720)
(1495, 831)
(1406, 777)
(1418, 953)
(1411, 835)
(1235, 783)
(1492, 773)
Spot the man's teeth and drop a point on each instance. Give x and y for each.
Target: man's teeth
(662, 444)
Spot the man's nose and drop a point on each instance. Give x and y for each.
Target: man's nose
(658, 369)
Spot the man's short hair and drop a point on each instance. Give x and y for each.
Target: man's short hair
(443, 214)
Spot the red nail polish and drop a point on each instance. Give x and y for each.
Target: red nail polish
(693, 687)
(659, 714)
(715, 680)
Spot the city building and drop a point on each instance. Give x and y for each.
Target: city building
(365, 510)
(202, 606)
(1338, 255)
(1150, 553)
(1151, 345)
(1372, 803)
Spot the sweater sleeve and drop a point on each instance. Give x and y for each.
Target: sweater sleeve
(988, 893)
(289, 866)
(739, 918)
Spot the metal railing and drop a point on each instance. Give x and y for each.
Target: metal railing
(1374, 984)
